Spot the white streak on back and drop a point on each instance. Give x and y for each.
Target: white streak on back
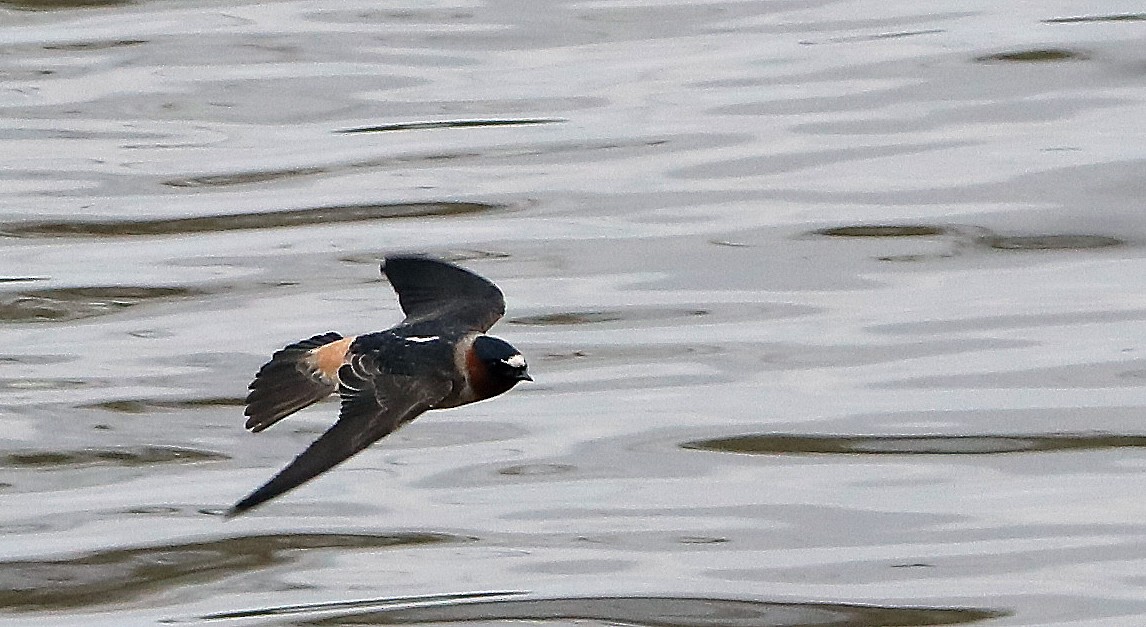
(418, 340)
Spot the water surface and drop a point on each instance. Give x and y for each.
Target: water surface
(833, 310)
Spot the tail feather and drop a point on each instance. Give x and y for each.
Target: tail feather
(287, 383)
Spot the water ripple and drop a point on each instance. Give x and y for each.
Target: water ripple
(119, 575)
(787, 444)
(651, 611)
(418, 126)
(242, 221)
(74, 303)
(118, 456)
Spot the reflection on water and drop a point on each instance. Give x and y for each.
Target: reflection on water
(56, 5)
(28, 383)
(418, 126)
(142, 406)
(1050, 242)
(884, 230)
(594, 317)
(963, 240)
(663, 612)
(1125, 17)
(784, 444)
(241, 221)
(1036, 55)
(316, 608)
(119, 575)
(892, 260)
(123, 456)
(73, 303)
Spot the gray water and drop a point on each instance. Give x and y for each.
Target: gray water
(834, 309)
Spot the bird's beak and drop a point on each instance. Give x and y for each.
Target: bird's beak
(524, 376)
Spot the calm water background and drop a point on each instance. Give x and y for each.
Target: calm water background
(835, 309)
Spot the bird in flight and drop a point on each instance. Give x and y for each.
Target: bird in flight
(438, 357)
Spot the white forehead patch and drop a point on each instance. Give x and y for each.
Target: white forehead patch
(516, 361)
(419, 340)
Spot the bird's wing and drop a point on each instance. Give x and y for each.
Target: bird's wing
(431, 289)
(294, 378)
(374, 403)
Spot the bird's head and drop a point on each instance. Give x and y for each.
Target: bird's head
(504, 365)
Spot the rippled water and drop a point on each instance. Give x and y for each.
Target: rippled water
(834, 310)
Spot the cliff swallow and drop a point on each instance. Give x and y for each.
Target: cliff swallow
(438, 357)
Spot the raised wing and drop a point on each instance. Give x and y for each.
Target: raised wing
(373, 405)
(430, 289)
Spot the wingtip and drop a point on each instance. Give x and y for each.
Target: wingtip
(237, 510)
(400, 257)
(246, 504)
